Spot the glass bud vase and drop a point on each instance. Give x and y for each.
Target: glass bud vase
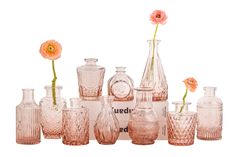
(181, 125)
(75, 124)
(28, 119)
(154, 76)
(210, 113)
(106, 128)
(51, 115)
(121, 86)
(143, 124)
(90, 79)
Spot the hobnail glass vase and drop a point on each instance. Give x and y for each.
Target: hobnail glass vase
(210, 116)
(90, 79)
(28, 119)
(154, 76)
(181, 125)
(106, 128)
(143, 124)
(51, 115)
(75, 124)
(121, 86)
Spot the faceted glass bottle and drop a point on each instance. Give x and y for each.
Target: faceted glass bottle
(51, 115)
(154, 76)
(210, 115)
(106, 128)
(181, 125)
(90, 79)
(75, 124)
(28, 119)
(143, 124)
(121, 86)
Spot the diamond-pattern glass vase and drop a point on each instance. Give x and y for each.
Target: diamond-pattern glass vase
(75, 124)
(181, 125)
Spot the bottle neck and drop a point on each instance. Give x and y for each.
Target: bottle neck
(120, 70)
(75, 103)
(153, 46)
(49, 91)
(106, 101)
(91, 61)
(144, 99)
(178, 106)
(28, 96)
(209, 91)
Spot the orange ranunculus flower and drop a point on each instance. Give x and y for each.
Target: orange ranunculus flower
(158, 17)
(51, 49)
(190, 84)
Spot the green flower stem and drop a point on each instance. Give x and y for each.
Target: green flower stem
(184, 97)
(154, 38)
(54, 83)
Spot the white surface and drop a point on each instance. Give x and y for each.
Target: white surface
(198, 40)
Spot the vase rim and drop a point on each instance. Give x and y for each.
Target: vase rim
(155, 40)
(27, 89)
(50, 86)
(181, 102)
(147, 89)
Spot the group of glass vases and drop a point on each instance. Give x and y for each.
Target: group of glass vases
(72, 123)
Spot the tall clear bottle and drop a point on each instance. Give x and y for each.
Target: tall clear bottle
(121, 86)
(154, 76)
(90, 79)
(210, 115)
(28, 119)
(143, 124)
(51, 114)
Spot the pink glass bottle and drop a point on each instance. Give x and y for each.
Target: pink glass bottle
(106, 128)
(210, 115)
(181, 125)
(28, 119)
(90, 79)
(143, 124)
(154, 76)
(121, 86)
(75, 124)
(51, 115)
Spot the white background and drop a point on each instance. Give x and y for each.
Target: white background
(197, 40)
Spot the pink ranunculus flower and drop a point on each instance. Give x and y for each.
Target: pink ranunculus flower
(158, 17)
(51, 50)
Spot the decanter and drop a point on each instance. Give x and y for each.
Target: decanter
(154, 76)
(121, 86)
(143, 124)
(210, 115)
(51, 115)
(106, 128)
(28, 119)
(90, 79)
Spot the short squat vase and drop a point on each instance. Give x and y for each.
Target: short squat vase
(181, 125)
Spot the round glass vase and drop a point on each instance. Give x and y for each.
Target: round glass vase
(51, 115)
(143, 124)
(181, 125)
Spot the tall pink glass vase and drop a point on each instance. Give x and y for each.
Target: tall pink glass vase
(51, 115)
(28, 119)
(210, 116)
(143, 123)
(154, 76)
(106, 128)
(181, 125)
(75, 124)
(90, 79)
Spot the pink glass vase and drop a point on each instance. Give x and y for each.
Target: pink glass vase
(121, 86)
(75, 124)
(154, 76)
(28, 119)
(143, 124)
(51, 115)
(90, 79)
(181, 125)
(210, 116)
(106, 128)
